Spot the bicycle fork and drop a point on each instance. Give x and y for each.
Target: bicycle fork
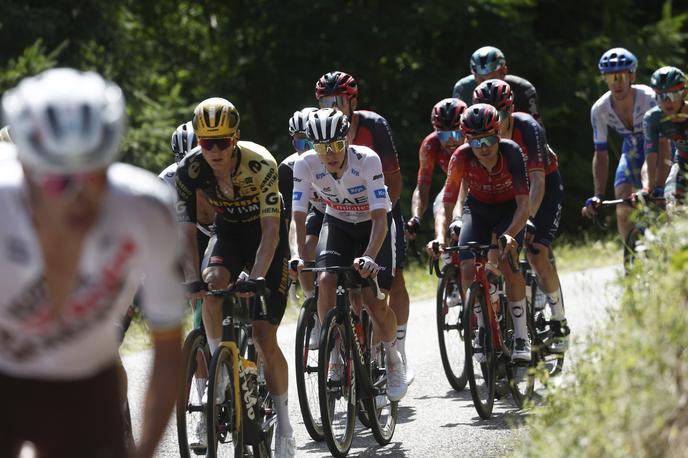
(234, 350)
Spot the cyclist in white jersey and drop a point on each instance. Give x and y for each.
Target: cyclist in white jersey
(78, 236)
(621, 108)
(350, 180)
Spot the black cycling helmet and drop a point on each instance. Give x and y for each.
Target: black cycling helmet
(479, 119)
(486, 60)
(668, 79)
(327, 125)
(446, 114)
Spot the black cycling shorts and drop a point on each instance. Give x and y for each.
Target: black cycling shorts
(480, 220)
(74, 418)
(314, 221)
(235, 249)
(346, 241)
(400, 240)
(549, 214)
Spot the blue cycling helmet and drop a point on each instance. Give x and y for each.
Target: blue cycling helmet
(617, 60)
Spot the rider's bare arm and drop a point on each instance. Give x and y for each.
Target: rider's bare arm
(520, 215)
(537, 190)
(270, 228)
(394, 185)
(298, 219)
(600, 169)
(378, 232)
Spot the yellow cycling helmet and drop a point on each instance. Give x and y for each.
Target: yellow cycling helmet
(215, 117)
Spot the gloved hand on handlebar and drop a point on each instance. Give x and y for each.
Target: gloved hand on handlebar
(590, 208)
(412, 227)
(508, 250)
(295, 266)
(366, 266)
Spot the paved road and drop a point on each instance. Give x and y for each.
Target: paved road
(433, 420)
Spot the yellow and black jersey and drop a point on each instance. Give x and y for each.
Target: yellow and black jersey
(255, 191)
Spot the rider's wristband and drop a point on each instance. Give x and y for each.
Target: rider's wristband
(195, 286)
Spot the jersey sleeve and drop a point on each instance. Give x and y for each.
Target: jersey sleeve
(536, 144)
(375, 182)
(301, 186)
(651, 131)
(455, 171)
(286, 185)
(162, 295)
(599, 126)
(426, 162)
(517, 169)
(270, 202)
(384, 146)
(186, 193)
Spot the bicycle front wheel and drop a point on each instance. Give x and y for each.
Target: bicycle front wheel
(450, 328)
(224, 437)
(306, 363)
(481, 360)
(336, 384)
(382, 413)
(190, 408)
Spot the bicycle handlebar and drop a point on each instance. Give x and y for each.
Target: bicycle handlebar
(371, 281)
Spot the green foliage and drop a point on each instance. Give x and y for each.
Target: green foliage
(265, 56)
(622, 398)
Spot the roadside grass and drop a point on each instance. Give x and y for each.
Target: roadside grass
(571, 255)
(629, 396)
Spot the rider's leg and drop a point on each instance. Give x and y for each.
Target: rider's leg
(623, 212)
(306, 278)
(217, 277)
(398, 294)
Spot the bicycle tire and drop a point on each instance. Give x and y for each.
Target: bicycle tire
(381, 412)
(329, 392)
(361, 410)
(220, 417)
(306, 364)
(450, 318)
(195, 341)
(482, 393)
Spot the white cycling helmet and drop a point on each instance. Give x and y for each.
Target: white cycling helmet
(299, 120)
(183, 140)
(326, 125)
(65, 121)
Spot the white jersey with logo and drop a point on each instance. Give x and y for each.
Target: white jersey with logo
(169, 176)
(130, 242)
(360, 190)
(603, 116)
(314, 198)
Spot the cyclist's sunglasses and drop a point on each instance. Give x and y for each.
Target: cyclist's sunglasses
(445, 135)
(621, 77)
(481, 142)
(64, 186)
(210, 143)
(336, 146)
(302, 144)
(673, 96)
(329, 101)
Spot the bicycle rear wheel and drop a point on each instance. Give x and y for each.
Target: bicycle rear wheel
(550, 363)
(190, 408)
(336, 384)
(306, 363)
(382, 413)
(223, 435)
(450, 328)
(480, 355)
(268, 420)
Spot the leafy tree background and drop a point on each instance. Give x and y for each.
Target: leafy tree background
(265, 56)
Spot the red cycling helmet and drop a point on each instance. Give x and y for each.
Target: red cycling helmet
(446, 114)
(494, 92)
(479, 119)
(336, 83)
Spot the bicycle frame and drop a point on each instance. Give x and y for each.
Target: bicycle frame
(480, 277)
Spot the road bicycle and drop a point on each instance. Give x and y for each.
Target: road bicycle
(449, 318)
(488, 348)
(351, 369)
(239, 411)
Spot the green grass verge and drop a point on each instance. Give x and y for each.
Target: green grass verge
(571, 255)
(629, 395)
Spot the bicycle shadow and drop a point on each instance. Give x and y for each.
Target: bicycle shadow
(463, 395)
(364, 444)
